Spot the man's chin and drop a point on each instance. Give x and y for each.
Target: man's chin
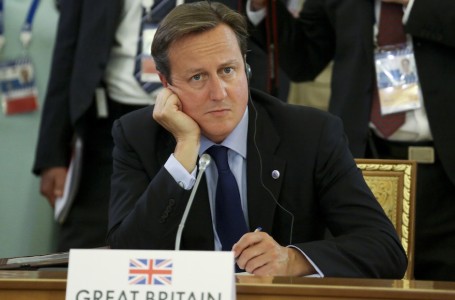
(216, 136)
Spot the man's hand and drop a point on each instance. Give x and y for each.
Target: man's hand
(53, 183)
(168, 113)
(256, 5)
(259, 254)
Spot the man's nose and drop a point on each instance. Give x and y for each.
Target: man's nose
(217, 88)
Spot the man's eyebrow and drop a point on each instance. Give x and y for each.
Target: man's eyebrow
(230, 62)
(193, 71)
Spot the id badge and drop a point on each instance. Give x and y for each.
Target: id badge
(148, 68)
(17, 83)
(397, 80)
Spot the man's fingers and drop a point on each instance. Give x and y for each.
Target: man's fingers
(53, 183)
(247, 240)
(250, 246)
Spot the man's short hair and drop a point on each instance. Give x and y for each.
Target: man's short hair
(194, 18)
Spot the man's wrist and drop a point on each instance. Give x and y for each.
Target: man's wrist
(298, 264)
(186, 152)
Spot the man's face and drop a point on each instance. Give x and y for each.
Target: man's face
(208, 75)
(405, 65)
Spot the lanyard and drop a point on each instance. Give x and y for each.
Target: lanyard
(2, 37)
(26, 30)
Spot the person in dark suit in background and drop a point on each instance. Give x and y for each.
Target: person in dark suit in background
(292, 166)
(85, 37)
(91, 84)
(345, 32)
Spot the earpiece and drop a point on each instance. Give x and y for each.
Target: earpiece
(248, 71)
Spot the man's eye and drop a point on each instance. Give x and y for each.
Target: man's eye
(227, 70)
(197, 77)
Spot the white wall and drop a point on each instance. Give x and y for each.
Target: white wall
(26, 224)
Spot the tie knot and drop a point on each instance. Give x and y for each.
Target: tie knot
(219, 154)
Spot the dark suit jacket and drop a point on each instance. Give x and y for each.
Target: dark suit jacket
(85, 34)
(342, 31)
(319, 185)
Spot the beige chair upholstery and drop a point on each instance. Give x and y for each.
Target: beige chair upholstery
(393, 184)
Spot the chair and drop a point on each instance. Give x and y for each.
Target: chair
(393, 183)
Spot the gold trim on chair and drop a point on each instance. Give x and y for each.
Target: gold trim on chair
(393, 184)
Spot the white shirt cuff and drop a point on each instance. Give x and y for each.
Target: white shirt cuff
(319, 273)
(179, 173)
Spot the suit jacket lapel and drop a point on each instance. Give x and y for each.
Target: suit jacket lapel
(200, 221)
(263, 189)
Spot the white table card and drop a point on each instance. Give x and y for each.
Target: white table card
(104, 274)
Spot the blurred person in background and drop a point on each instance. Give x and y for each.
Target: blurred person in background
(351, 33)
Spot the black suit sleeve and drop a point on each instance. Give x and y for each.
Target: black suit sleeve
(306, 44)
(145, 208)
(56, 132)
(364, 242)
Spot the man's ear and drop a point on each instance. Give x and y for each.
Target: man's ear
(163, 80)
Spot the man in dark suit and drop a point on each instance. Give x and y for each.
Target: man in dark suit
(294, 172)
(343, 31)
(86, 33)
(91, 84)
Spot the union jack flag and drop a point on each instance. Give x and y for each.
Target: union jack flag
(150, 271)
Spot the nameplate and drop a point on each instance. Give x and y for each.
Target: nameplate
(150, 275)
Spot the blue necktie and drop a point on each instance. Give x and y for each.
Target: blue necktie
(230, 221)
